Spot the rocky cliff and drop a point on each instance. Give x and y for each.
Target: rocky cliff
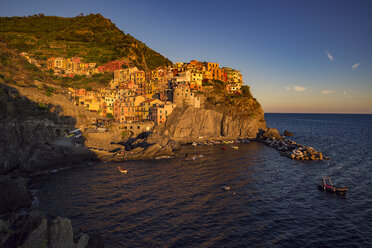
(223, 115)
(32, 133)
(190, 124)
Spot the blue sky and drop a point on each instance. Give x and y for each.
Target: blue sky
(297, 56)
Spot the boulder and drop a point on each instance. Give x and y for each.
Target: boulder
(273, 133)
(287, 133)
(13, 194)
(82, 241)
(4, 232)
(156, 138)
(60, 233)
(29, 230)
(38, 236)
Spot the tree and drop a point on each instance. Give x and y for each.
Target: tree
(246, 90)
(109, 115)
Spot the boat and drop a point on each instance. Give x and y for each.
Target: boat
(121, 170)
(327, 185)
(225, 187)
(192, 157)
(235, 147)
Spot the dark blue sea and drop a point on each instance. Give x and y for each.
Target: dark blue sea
(273, 201)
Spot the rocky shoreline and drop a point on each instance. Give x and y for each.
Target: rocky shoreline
(33, 229)
(20, 227)
(288, 148)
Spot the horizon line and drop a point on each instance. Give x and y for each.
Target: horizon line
(318, 113)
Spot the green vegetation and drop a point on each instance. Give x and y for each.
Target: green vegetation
(92, 37)
(85, 82)
(246, 91)
(49, 91)
(125, 133)
(42, 106)
(17, 70)
(218, 84)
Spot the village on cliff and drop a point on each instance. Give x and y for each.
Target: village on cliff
(135, 96)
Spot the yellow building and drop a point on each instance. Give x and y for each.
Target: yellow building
(90, 103)
(110, 105)
(60, 63)
(56, 63)
(137, 77)
(145, 106)
(196, 77)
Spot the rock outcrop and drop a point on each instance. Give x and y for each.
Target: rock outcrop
(32, 130)
(288, 148)
(34, 230)
(287, 133)
(192, 124)
(13, 194)
(34, 145)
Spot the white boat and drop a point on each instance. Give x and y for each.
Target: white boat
(225, 187)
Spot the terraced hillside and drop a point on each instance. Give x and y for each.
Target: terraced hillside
(92, 37)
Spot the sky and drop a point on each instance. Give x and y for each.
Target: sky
(297, 56)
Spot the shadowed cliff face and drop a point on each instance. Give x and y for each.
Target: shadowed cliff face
(32, 134)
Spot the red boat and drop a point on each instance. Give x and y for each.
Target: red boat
(326, 185)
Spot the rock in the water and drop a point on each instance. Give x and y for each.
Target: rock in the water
(82, 241)
(287, 133)
(60, 233)
(38, 236)
(271, 133)
(28, 230)
(13, 194)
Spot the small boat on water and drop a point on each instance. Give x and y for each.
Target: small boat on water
(225, 187)
(192, 156)
(235, 147)
(326, 185)
(121, 170)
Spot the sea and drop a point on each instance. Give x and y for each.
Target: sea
(273, 201)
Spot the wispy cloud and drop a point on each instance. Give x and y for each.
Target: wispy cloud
(355, 66)
(347, 95)
(295, 88)
(326, 92)
(299, 88)
(329, 55)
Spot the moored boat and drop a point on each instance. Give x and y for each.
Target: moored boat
(326, 185)
(121, 170)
